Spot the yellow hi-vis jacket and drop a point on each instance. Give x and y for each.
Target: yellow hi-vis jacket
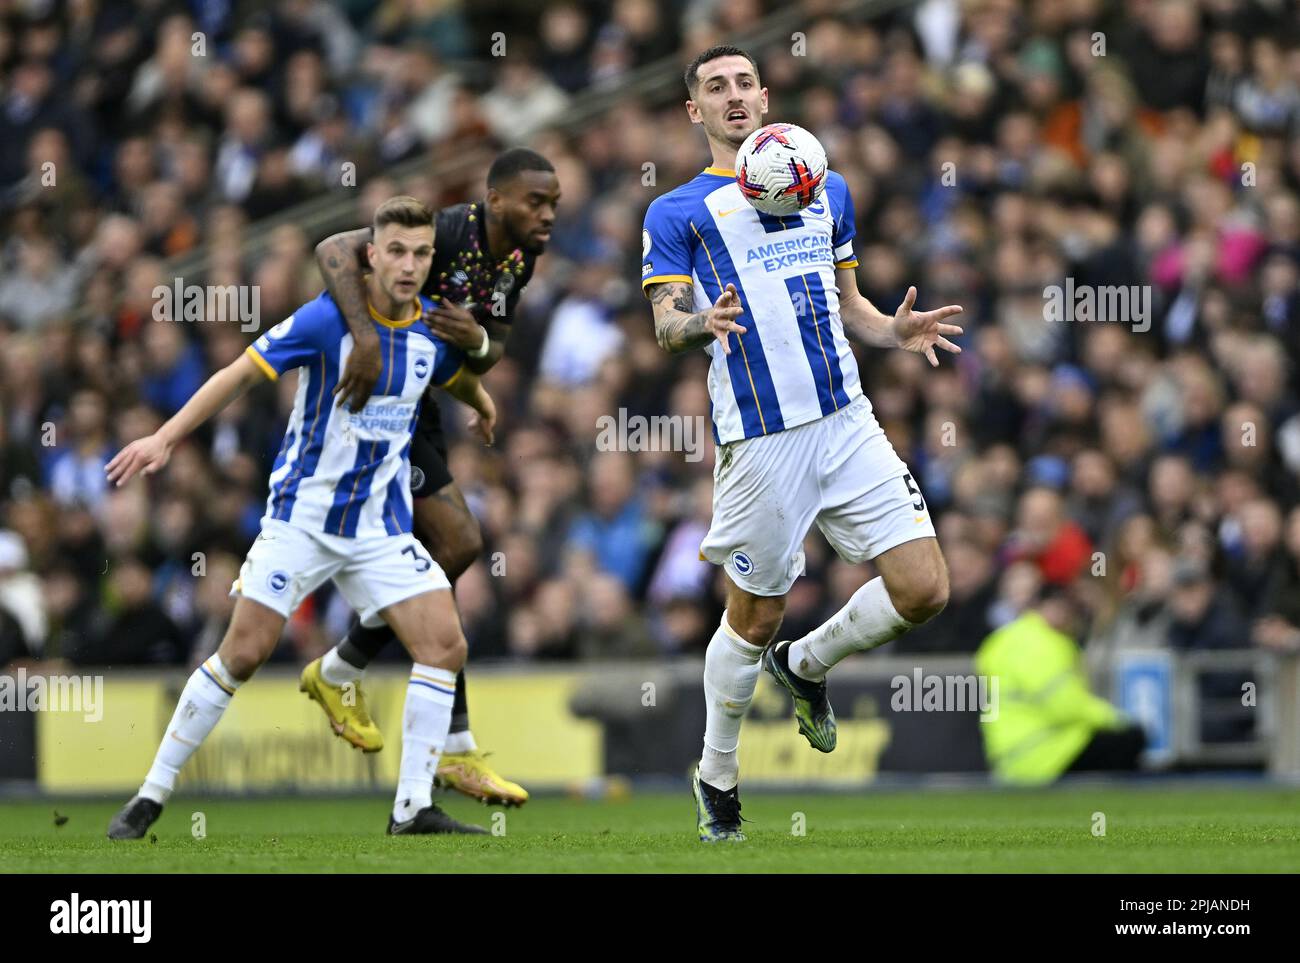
(1044, 715)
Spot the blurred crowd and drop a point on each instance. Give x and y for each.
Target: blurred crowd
(994, 149)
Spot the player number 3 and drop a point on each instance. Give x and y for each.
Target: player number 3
(422, 564)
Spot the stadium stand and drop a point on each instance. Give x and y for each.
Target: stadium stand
(996, 150)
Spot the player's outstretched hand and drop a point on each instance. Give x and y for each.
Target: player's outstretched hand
(922, 331)
(144, 455)
(721, 318)
(360, 374)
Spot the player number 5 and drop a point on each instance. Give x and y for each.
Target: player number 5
(919, 504)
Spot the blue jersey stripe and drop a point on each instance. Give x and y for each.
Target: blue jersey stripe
(751, 380)
(354, 488)
(397, 504)
(278, 487)
(817, 291)
(394, 380)
(352, 515)
(397, 516)
(320, 389)
(778, 222)
(808, 295)
(284, 450)
(347, 486)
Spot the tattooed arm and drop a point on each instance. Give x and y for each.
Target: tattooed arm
(678, 327)
(341, 258)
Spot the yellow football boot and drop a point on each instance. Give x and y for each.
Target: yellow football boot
(345, 708)
(469, 773)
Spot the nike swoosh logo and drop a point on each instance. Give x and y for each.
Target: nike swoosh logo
(732, 211)
(919, 519)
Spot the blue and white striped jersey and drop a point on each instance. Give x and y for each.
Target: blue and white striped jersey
(342, 472)
(793, 365)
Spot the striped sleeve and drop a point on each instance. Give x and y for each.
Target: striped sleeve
(665, 248)
(845, 221)
(291, 343)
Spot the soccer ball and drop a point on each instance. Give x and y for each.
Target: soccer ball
(781, 169)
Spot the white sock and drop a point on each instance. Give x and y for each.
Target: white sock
(868, 620)
(425, 721)
(336, 670)
(731, 667)
(202, 701)
(458, 742)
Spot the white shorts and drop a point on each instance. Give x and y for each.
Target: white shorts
(840, 471)
(286, 564)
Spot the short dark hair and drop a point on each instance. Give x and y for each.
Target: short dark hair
(713, 53)
(404, 210)
(514, 161)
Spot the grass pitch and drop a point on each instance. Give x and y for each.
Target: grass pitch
(1176, 829)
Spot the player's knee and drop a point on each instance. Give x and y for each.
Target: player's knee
(452, 653)
(923, 596)
(764, 629)
(756, 624)
(243, 651)
(457, 653)
(445, 651)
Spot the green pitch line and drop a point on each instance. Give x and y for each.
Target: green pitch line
(1179, 830)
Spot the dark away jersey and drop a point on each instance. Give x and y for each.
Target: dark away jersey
(465, 273)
